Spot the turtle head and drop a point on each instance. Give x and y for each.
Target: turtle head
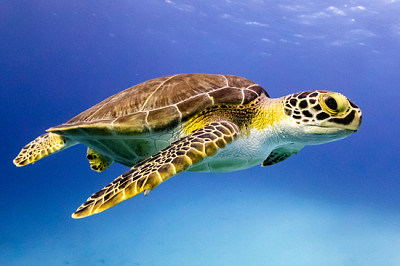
(322, 116)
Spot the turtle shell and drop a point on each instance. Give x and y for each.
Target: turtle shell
(160, 104)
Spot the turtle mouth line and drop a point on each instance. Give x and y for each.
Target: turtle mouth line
(318, 130)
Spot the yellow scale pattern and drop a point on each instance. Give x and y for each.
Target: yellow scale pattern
(253, 115)
(149, 173)
(42, 146)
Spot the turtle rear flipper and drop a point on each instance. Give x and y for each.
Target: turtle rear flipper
(42, 146)
(98, 162)
(151, 172)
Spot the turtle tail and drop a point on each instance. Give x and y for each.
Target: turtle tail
(42, 146)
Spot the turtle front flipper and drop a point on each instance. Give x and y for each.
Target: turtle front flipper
(282, 153)
(98, 162)
(42, 146)
(151, 172)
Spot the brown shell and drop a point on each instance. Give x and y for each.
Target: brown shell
(161, 103)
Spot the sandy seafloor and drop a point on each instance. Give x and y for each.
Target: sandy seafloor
(332, 204)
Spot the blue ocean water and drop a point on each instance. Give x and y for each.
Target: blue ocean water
(332, 204)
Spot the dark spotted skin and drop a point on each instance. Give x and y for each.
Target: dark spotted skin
(151, 172)
(305, 108)
(316, 109)
(296, 104)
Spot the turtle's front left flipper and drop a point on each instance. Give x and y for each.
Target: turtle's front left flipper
(149, 173)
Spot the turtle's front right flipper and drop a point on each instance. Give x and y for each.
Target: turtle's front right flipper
(149, 173)
(42, 146)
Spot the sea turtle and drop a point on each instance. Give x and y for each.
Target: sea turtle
(193, 122)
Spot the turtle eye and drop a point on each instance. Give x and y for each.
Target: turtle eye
(331, 103)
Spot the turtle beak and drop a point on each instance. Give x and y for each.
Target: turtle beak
(356, 123)
(351, 121)
(359, 120)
